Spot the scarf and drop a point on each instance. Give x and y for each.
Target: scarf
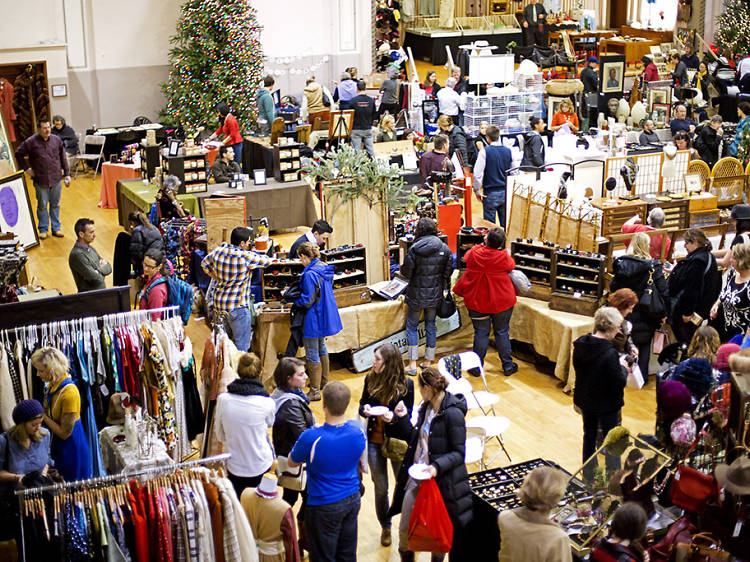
(298, 392)
(247, 387)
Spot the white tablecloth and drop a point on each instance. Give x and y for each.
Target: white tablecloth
(118, 457)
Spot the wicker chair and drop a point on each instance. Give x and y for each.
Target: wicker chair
(728, 181)
(700, 168)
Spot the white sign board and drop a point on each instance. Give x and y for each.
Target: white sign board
(490, 69)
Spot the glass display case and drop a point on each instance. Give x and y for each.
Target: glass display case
(511, 113)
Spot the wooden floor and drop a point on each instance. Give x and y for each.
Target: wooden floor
(543, 421)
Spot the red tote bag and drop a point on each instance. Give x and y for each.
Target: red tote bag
(430, 527)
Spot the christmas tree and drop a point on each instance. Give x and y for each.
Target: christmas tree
(743, 148)
(215, 56)
(733, 27)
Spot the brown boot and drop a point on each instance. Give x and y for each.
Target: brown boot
(314, 370)
(326, 369)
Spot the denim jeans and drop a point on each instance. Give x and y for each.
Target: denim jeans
(358, 136)
(48, 196)
(412, 335)
(494, 204)
(241, 322)
(379, 472)
(591, 424)
(238, 152)
(499, 322)
(315, 348)
(332, 530)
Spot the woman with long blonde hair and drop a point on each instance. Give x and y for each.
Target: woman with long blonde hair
(386, 385)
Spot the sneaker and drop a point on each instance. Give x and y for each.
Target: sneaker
(58, 234)
(42, 235)
(385, 537)
(512, 370)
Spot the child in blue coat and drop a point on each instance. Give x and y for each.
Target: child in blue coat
(322, 318)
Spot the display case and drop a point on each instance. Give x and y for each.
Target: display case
(577, 281)
(616, 212)
(535, 259)
(286, 162)
(676, 209)
(190, 170)
(511, 113)
(465, 241)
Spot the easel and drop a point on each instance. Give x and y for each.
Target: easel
(338, 127)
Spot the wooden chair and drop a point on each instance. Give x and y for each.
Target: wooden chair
(728, 181)
(617, 241)
(303, 133)
(700, 168)
(277, 129)
(712, 230)
(320, 125)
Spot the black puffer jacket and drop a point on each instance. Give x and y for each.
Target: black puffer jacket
(293, 416)
(694, 285)
(428, 266)
(600, 379)
(447, 447)
(143, 238)
(632, 273)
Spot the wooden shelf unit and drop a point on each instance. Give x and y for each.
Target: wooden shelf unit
(190, 170)
(286, 162)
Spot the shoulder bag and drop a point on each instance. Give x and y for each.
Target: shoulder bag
(679, 531)
(291, 478)
(394, 449)
(651, 303)
(447, 307)
(692, 489)
(702, 547)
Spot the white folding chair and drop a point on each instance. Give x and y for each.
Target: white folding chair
(493, 425)
(475, 438)
(94, 140)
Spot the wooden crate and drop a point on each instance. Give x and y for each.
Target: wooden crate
(352, 296)
(566, 302)
(614, 216)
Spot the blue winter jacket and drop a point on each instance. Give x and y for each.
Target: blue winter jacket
(742, 127)
(322, 318)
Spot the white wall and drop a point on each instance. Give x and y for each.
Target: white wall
(30, 22)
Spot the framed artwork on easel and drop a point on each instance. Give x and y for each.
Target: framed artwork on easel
(15, 210)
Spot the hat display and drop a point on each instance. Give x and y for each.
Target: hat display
(741, 211)
(27, 410)
(268, 487)
(674, 399)
(116, 411)
(683, 430)
(722, 355)
(735, 477)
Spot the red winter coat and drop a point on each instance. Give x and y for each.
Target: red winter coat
(486, 286)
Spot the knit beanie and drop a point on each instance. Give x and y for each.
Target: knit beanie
(26, 410)
(674, 399)
(722, 356)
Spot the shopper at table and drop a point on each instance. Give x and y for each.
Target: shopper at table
(229, 126)
(681, 122)
(386, 386)
(565, 116)
(319, 235)
(600, 380)
(458, 141)
(449, 101)
(696, 372)
(527, 533)
(88, 268)
(345, 90)
(224, 165)
(155, 290)
(654, 221)
(316, 102)
(143, 236)
(490, 296)
(430, 85)
(389, 91)
(533, 148)
(590, 78)
(66, 133)
(690, 59)
(682, 141)
(709, 140)
(626, 530)
(694, 285)
(364, 116)
(650, 72)
(266, 106)
(25, 447)
(702, 80)
(624, 301)
(293, 414)
(679, 74)
(387, 132)
(166, 198)
(322, 319)
(43, 157)
(490, 171)
(740, 221)
(428, 266)
(62, 415)
(743, 127)
(730, 314)
(648, 135)
(535, 24)
(231, 266)
(439, 441)
(481, 139)
(243, 415)
(434, 160)
(633, 271)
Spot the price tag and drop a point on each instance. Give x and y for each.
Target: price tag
(104, 390)
(577, 295)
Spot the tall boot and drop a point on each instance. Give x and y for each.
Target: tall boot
(406, 555)
(315, 370)
(326, 369)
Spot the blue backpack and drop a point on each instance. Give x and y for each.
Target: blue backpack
(179, 293)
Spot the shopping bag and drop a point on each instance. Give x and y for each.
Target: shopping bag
(635, 377)
(430, 527)
(659, 342)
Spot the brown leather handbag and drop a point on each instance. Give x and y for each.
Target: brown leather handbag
(703, 547)
(691, 489)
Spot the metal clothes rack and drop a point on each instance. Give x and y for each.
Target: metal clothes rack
(95, 482)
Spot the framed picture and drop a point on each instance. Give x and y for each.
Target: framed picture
(15, 210)
(553, 106)
(657, 96)
(59, 90)
(430, 111)
(340, 124)
(259, 176)
(7, 162)
(693, 183)
(660, 114)
(174, 147)
(612, 76)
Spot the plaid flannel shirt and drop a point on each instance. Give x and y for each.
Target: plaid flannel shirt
(231, 267)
